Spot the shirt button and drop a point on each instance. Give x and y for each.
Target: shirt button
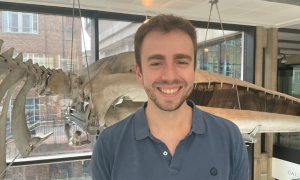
(165, 153)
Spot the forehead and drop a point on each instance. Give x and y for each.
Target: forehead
(175, 41)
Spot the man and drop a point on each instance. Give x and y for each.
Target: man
(168, 137)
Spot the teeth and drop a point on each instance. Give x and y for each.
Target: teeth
(169, 91)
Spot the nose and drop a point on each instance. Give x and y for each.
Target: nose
(170, 72)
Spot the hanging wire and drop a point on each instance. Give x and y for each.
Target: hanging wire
(12, 162)
(9, 165)
(233, 75)
(87, 64)
(72, 36)
(91, 92)
(212, 3)
(202, 56)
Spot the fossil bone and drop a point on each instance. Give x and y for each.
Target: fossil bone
(74, 139)
(3, 127)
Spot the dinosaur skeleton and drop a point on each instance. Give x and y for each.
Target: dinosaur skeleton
(117, 94)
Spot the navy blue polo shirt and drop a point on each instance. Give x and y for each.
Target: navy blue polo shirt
(213, 149)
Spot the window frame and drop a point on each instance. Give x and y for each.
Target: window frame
(20, 22)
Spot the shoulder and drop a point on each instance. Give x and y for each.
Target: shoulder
(219, 126)
(114, 132)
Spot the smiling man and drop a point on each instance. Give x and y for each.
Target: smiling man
(169, 137)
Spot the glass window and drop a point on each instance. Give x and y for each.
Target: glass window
(116, 37)
(289, 83)
(69, 33)
(235, 54)
(51, 49)
(211, 58)
(13, 22)
(18, 22)
(31, 109)
(214, 57)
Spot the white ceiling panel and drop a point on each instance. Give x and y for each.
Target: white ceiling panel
(121, 1)
(275, 7)
(252, 5)
(255, 14)
(180, 5)
(245, 12)
(233, 11)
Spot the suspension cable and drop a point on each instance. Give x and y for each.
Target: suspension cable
(202, 56)
(233, 75)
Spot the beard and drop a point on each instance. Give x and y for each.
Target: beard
(168, 105)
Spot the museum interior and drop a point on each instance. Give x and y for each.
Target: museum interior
(258, 44)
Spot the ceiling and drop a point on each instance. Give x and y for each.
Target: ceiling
(245, 12)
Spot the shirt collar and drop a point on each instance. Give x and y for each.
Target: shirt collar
(142, 129)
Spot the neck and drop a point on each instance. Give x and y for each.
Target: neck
(159, 120)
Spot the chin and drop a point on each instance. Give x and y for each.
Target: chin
(169, 106)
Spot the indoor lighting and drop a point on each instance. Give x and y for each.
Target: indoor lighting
(205, 50)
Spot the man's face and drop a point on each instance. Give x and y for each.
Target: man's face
(167, 61)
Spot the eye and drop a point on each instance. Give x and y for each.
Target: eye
(155, 64)
(182, 62)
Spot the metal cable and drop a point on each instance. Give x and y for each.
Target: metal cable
(9, 165)
(237, 93)
(87, 66)
(72, 37)
(202, 57)
(12, 162)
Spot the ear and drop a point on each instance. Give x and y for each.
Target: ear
(139, 75)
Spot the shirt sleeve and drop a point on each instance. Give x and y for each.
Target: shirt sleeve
(100, 162)
(241, 161)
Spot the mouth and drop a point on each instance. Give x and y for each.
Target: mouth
(169, 90)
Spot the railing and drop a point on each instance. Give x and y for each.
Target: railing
(44, 127)
(9, 132)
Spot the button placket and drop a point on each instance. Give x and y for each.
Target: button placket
(179, 154)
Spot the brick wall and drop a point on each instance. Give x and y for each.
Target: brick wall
(52, 45)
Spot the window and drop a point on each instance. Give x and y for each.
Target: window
(215, 57)
(69, 33)
(32, 110)
(33, 56)
(17, 22)
(296, 75)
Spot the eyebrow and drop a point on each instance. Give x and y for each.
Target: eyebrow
(182, 56)
(162, 57)
(156, 57)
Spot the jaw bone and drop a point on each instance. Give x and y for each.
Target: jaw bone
(111, 87)
(247, 120)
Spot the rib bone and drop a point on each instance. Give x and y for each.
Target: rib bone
(11, 79)
(20, 131)
(3, 128)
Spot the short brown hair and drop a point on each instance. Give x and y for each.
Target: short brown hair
(164, 23)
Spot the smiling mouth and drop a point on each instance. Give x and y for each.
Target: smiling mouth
(169, 91)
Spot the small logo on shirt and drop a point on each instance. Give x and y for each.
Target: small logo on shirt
(213, 171)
